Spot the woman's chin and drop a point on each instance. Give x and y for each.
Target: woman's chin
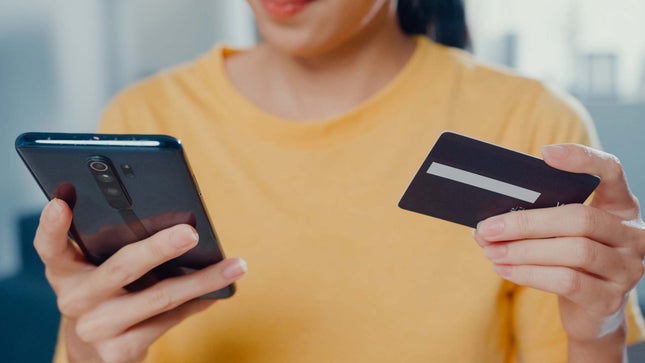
(299, 45)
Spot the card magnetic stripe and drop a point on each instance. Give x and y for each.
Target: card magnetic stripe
(482, 182)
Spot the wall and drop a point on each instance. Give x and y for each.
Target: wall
(61, 62)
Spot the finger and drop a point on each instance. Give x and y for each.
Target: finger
(613, 193)
(125, 266)
(481, 241)
(600, 298)
(133, 344)
(574, 252)
(51, 241)
(119, 314)
(575, 220)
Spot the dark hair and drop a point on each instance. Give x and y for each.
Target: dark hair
(442, 20)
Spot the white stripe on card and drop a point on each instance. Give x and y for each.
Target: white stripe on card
(483, 182)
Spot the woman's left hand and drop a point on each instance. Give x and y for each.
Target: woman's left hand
(591, 256)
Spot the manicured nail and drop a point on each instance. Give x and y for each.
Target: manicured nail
(53, 210)
(555, 151)
(490, 227)
(495, 251)
(183, 242)
(236, 269)
(503, 270)
(195, 235)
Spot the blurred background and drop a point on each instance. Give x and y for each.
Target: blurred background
(62, 60)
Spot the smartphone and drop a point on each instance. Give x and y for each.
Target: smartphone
(122, 189)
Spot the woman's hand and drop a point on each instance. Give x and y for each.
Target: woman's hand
(591, 256)
(102, 321)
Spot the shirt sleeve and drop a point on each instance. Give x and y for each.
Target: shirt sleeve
(60, 353)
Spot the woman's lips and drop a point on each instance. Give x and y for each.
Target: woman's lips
(285, 8)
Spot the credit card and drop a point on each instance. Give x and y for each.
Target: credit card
(465, 180)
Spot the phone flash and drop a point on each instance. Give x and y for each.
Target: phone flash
(127, 170)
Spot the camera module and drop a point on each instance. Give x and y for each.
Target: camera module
(99, 166)
(105, 178)
(112, 192)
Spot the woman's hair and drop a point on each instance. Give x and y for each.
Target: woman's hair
(442, 20)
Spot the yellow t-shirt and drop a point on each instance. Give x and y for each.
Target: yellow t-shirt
(337, 272)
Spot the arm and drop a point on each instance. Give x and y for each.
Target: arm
(610, 348)
(590, 256)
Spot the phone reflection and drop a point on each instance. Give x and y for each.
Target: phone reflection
(99, 245)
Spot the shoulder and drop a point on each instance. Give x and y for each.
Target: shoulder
(499, 98)
(504, 85)
(143, 106)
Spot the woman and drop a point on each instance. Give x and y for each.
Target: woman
(303, 146)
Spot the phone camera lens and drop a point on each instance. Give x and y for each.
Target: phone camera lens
(113, 192)
(105, 178)
(98, 166)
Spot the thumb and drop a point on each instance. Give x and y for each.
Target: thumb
(613, 194)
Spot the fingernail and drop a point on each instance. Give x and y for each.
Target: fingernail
(183, 242)
(555, 151)
(503, 270)
(495, 251)
(236, 269)
(194, 233)
(490, 227)
(53, 210)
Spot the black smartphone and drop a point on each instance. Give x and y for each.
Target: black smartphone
(122, 189)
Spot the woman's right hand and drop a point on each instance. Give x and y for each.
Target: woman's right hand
(102, 322)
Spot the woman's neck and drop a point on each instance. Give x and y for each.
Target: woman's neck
(324, 86)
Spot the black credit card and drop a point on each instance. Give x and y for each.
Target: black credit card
(465, 180)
